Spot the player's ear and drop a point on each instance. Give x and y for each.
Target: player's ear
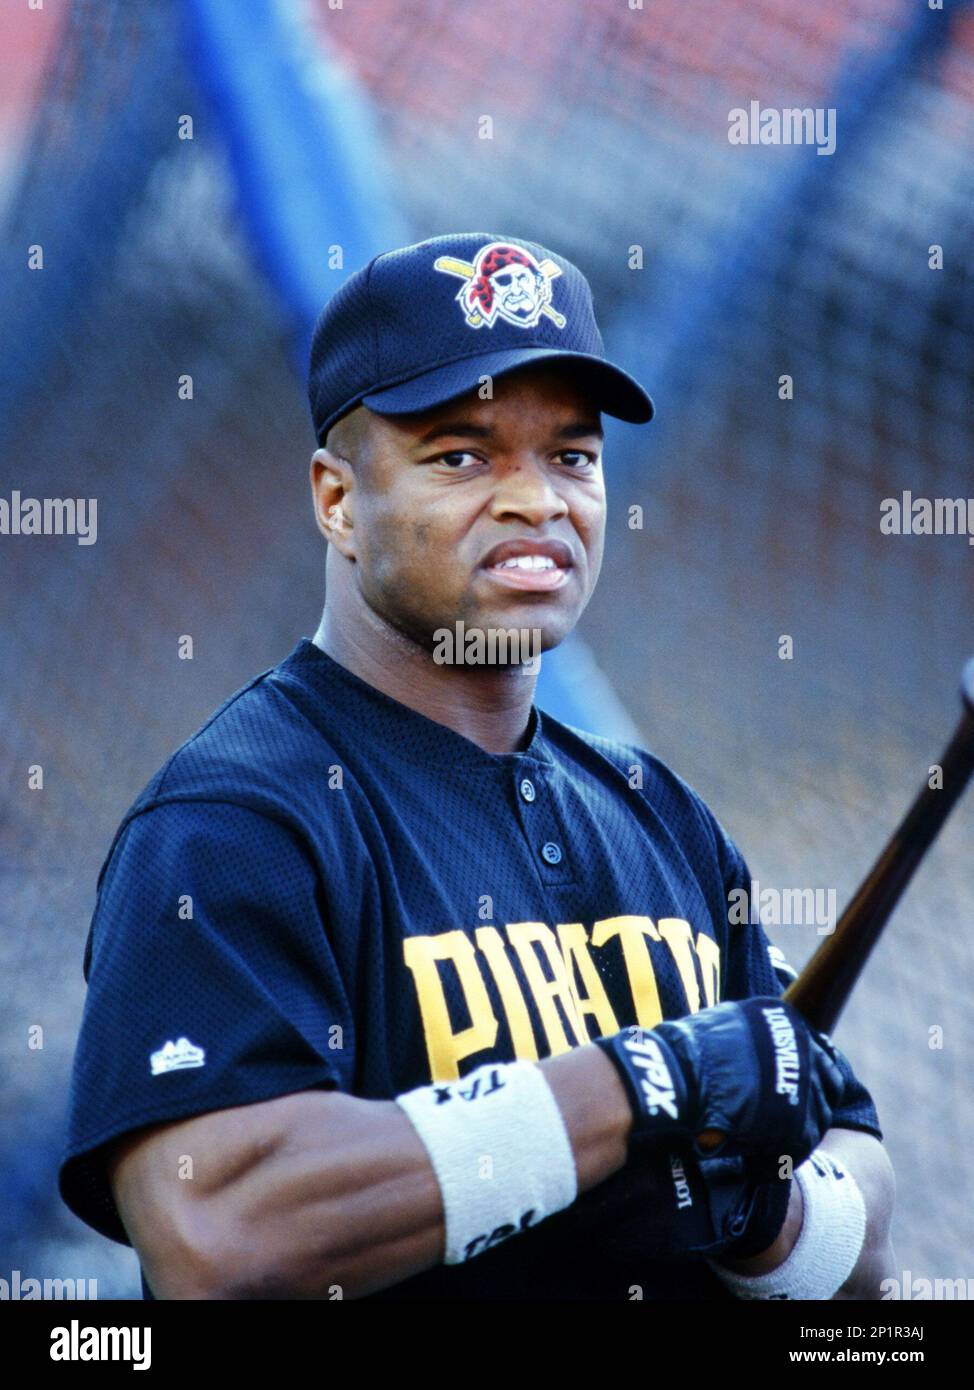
(331, 487)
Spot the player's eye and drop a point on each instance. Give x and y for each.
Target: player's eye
(455, 457)
(576, 458)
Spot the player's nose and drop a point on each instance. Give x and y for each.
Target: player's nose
(526, 489)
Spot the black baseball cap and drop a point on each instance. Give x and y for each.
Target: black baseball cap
(423, 324)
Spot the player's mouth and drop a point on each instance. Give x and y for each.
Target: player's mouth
(538, 566)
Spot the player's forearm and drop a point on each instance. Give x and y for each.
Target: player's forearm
(343, 1193)
(870, 1165)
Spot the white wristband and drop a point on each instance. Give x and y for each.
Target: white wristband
(828, 1245)
(500, 1151)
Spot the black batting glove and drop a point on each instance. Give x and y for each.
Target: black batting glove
(752, 1070)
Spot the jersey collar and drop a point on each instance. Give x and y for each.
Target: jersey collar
(428, 741)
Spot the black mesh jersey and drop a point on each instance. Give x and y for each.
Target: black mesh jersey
(324, 888)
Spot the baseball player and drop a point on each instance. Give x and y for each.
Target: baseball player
(399, 987)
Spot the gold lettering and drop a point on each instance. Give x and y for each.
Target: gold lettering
(708, 954)
(524, 937)
(445, 1048)
(574, 947)
(632, 933)
(677, 934)
(494, 948)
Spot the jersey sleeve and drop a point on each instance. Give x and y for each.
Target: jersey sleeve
(757, 967)
(212, 982)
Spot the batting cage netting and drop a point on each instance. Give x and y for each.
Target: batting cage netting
(801, 316)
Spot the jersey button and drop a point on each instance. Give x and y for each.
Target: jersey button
(551, 853)
(527, 789)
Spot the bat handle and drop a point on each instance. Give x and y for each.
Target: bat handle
(823, 986)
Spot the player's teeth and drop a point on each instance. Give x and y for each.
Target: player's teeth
(527, 562)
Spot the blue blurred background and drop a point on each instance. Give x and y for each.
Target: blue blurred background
(322, 133)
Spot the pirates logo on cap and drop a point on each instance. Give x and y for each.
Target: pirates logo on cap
(504, 282)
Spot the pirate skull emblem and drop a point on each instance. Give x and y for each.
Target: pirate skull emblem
(516, 291)
(503, 281)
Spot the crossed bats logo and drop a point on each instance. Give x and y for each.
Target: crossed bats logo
(506, 282)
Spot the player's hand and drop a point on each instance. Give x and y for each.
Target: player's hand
(750, 1070)
(667, 1204)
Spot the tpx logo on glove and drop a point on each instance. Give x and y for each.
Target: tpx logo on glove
(656, 1082)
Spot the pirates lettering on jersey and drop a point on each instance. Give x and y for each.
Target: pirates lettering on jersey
(557, 970)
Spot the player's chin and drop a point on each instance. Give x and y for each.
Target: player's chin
(531, 626)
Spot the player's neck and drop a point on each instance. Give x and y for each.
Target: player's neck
(490, 705)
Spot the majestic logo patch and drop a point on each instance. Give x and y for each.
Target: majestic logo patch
(504, 282)
(176, 1056)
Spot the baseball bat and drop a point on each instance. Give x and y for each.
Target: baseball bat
(823, 987)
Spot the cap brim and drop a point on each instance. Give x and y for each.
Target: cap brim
(619, 394)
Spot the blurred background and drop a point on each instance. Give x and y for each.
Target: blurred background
(323, 133)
